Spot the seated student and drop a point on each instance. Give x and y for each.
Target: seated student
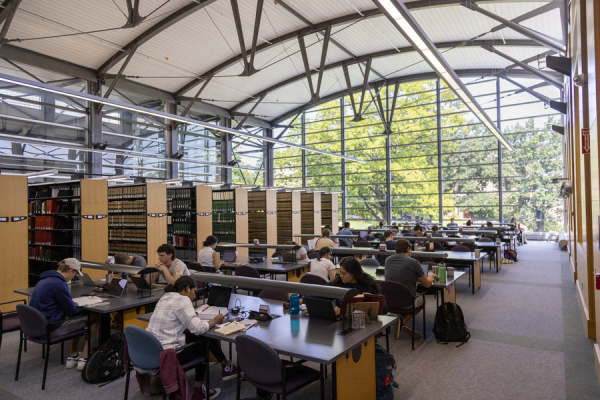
(324, 240)
(435, 231)
(469, 226)
(322, 265)
(174, 323)
(129, 259)
(360, 257)
(300, 253)
(352, 276)
(452, 224)
(169, 267)
(404, 269)
(52, 298)
(389, 240)
(381, 225)
(418, 231)
(208, 257)
(345, 231)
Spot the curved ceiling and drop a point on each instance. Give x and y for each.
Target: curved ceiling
(177, 45)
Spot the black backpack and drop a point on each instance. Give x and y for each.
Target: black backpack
(449, 325)
(106, 363)
(384, 365)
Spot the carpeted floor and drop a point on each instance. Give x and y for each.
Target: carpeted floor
(527, 343)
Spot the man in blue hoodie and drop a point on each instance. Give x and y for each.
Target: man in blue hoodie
(52, 298)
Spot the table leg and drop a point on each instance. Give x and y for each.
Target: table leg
(130, 317)
(476, 276)
(295, 276)
(498, 259)
(354, 373)
(104, 327)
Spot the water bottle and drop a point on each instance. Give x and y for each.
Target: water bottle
(294, 304)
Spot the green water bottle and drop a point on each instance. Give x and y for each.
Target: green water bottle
(442, 273)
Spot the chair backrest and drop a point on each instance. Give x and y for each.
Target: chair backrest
(313, 280)
(143, 347)
(274, 295)
(33, 322)
(362, 243)
(312, 255)
(397, 295)
(381, 237)
(462, 248)
(485, 239)
(311, 243)
(429, 263)
(370, 262)
(244, 270)
(259, 362)
(437, 246)
(404, 231)
(423, 259)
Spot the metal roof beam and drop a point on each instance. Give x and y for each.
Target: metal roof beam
(526, 89)
(248, 64)
(7, 16)
(189, 106)
(556, 82)
(530, 33)
(326, 38)
(116, 78)
(133, 12)
(385, 53)
(241, 123)
(302, 45)
(154, 30)
(531, 14)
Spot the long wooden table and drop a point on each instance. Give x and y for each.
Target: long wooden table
(292, 271)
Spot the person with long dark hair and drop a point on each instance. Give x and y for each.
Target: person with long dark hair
(352, 276)
(175, 323)
(322, 265)
(208, 257)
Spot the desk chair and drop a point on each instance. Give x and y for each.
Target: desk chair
(491, 254)
(35, 328)
(200, 286)
(264, 369)
(362, 243)
(313, 280)
(274, 295)
(463, 249)
(312, 255)
(244, 270)
(437, 246)
(9, 321)
(144, 350)
(397, 298)
(370, 262)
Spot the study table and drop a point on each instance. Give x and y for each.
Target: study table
(260, 246)
(130, 304)
(311, 235)
(352, 356)
(435, 239)
(293, 272)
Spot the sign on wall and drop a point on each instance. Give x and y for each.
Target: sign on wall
(585, 141)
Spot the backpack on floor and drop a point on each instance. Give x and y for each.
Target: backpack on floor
(384, 365)
(510, 255)
(106, 363)
(449, 325)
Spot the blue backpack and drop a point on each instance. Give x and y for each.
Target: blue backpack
(384, 366)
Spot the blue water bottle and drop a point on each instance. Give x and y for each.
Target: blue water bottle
(294, 304)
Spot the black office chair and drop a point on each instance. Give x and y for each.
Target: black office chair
(9, 321)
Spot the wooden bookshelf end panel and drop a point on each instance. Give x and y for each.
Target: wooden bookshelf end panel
(203, 223)
(156, 203)
(241, 219)
(94, 230)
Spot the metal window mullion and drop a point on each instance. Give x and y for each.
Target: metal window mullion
(388, 163)
(439, 153)
(304, 160)
(94, 132)
(343, 169)
(499, 123)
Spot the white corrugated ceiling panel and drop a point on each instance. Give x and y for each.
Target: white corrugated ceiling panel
(318, 10)
(548, 24)
(369, 36)
(401, 64)
(476, 57)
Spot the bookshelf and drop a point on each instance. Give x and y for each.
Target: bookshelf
(13, 238)
(288, 216)
(189, 222)
(230, 217)
(262, 217)
(329, 211)
(310, 204)
(137, 219)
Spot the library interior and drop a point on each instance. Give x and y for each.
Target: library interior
(341, 199)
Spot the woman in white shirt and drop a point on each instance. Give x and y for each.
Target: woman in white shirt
(173, 315)
(300, 253)
(208, 257)
(322, 266)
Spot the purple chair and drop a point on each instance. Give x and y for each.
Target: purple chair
(312, 255)
(9, 321)
(35, 328)
(461, 248)
(397, 298)
(264, 369)
(200, 286)
(313, 280)
(274, 295)
(437, 246)
(249, 272)
(362, 243)
(423, 259)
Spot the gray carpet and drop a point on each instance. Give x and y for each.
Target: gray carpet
(527, 343)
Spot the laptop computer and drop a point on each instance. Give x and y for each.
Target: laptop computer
(363, 234)
(115, 289)
(320, 308)
(87, 280)
(229, 256)
(219, 296)
(289, 257)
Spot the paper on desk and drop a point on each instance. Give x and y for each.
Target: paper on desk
(231, 328)
(209, 312)
(87, 300)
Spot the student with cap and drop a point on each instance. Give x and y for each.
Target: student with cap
(169, 267)
(208, 257)
(52, 298)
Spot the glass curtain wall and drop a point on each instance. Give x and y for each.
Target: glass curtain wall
(441, 162)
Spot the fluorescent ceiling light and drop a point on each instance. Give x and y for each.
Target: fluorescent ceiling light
(48, 172)
(399, 15)
(113, 178)
(171, 181)
(159, 114)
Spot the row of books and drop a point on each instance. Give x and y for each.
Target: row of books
(184, 216)
(53, 254)
(54, 238)
(223, 195)
(180, 193)
(128, 235)
(54, 191)
(184, 241)
(223, 217)
(127, 206)
(257, 201)
(183, 228)
(129, 248)
(187, 256)
(284, 217)
(125, 192)
(53, 207)
(223, 206)
(183, 204)
(127, 220)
